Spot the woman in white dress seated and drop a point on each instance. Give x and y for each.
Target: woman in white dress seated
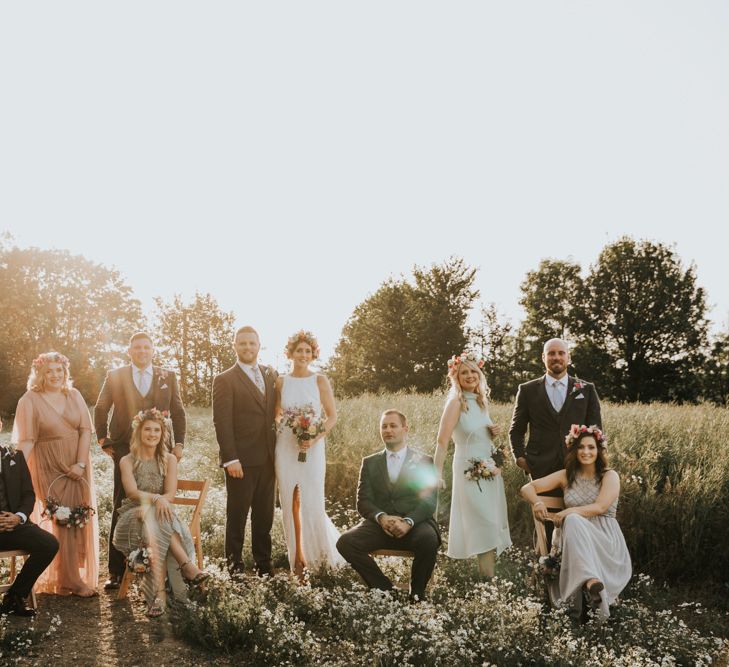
(311, 537)
(479, 524)
(595, 563)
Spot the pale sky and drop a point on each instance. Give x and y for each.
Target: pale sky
(290, 156)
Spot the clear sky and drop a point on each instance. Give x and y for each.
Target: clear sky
(290, 156)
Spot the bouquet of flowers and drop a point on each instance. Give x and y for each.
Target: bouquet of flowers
(139, 560)
(81, 515)
(305, 424)
(71, 517)
(480, 469)
(549, 566)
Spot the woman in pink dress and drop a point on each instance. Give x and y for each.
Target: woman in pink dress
(53, 430)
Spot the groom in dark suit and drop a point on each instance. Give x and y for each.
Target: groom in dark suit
(243, 413)
(396, 496)
(17, 499)
(548, 406)
(125, 392)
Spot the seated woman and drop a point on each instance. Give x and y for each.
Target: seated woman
(595, 557)
(146, 516)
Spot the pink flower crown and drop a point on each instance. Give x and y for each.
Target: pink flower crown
(457, 360)
(153, 414)
(302, 336)
(576, 431)
(49, 358)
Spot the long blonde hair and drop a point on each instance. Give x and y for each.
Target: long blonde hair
(135, 444)
(37, 377)
(482, 390)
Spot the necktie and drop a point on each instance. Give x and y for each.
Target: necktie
(143, 383)
(392, 467)
(557, 400)
(258, 379)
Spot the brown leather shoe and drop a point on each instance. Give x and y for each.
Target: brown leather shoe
(113, 582)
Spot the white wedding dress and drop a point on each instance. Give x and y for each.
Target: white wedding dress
(318, 534)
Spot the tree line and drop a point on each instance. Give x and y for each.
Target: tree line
(636, 319)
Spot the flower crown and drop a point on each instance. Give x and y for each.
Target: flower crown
(302, 336)
(456, 360)
(153, 414)
(577, 431)
(49, 358)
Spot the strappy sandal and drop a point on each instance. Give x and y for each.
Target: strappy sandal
(197, 579)
(156, 608)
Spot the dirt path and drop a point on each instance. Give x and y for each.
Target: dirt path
(104, 631)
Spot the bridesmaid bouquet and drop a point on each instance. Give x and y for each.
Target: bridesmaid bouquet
(71, 517)
(481, 469)
(138, 560)
(549, 566)
(305, 424)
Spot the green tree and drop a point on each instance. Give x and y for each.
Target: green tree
(401, 336)
(646, 314)
(196, 339)
(716, 370)
(52, 300)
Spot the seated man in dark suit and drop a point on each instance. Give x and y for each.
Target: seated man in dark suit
(396, 495)
(16, 532)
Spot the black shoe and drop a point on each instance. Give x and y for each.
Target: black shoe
(264, 569)
(416, 596)
(113, 582)
(14, 604)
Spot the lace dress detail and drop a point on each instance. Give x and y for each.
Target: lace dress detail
(593, 547)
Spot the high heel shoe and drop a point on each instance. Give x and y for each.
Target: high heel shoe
(197, 579)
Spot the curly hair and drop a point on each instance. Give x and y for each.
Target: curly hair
(39, 366)
(302, 336)
(572, 464)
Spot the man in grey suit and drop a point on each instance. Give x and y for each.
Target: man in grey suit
(548, 406)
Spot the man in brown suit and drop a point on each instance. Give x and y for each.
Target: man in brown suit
(125, 392)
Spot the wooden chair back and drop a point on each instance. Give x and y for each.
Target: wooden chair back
(197, 490)
(12, 554)
(552, 504)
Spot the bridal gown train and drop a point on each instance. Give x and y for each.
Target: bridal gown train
(318, 534)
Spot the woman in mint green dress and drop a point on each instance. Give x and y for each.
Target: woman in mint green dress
(479, 524)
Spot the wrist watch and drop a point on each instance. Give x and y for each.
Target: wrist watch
(81, 465)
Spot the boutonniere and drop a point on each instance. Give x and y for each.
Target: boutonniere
(579, 386)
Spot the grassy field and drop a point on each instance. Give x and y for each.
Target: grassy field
(674, 463)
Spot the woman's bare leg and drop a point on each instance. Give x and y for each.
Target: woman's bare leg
(487, 563)
(299, 563)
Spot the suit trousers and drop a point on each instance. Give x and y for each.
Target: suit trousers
(42, 547)
(356, 544)
(117, 560)
(254, 493)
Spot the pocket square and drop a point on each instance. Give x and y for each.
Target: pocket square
(579, 396)
(12, 463)
(164, 386)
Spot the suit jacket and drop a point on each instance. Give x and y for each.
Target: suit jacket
(18, 484)
(548, 428)
(243, 417)
(414, 493)
(120, 393)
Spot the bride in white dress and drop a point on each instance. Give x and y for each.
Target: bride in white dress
(311, 537)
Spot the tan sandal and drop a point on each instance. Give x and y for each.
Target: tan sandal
(156, 608)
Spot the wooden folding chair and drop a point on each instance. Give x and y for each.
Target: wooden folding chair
(199, 490)
(12, 554)
(553, 504)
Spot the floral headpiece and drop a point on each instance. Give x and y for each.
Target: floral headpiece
(49, 358)
(302, 336)
(577, 431)
(153, 414)
(474, 357)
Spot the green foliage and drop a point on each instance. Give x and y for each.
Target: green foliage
(197, 341)
(646, 314)
(400, 336)
(52, 300)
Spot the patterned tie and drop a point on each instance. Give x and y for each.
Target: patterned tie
(258, 378)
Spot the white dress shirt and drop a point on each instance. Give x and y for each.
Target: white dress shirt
(557, 391)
